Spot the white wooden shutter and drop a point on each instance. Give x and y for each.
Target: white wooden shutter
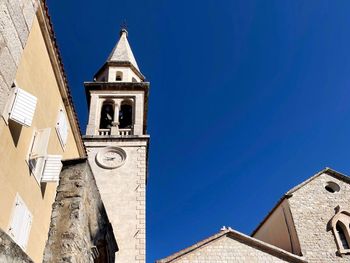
(62, 127)
(23, 107)
(21, 223)
(26, 226)
(53, 166)
(39, 168)
(38, 152)
(41, 142)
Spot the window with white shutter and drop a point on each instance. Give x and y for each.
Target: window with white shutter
(21, 222)
(38, 153)
(23, 107)
(62, 127)
(52, 169)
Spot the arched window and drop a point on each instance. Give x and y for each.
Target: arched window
(340, 226)
(119, 76)
(126, 115)
(133, 80)
(341, 230)
(107, 115)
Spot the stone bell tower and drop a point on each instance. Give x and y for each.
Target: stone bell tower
(117, 144)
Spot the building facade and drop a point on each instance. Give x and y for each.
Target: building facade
(311, 223)
(117, 145)
(37, 131)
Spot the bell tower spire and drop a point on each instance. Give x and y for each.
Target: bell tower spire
(117, 145)
(122, 61)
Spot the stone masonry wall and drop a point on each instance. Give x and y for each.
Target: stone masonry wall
(227, 249)
(123, 192)
(16, 18)
(10, 251)
(312, 207)
(79, 220)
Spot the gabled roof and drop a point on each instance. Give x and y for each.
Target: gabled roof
(122, 51)
(287, 195)
(326, 170)
(247, 240)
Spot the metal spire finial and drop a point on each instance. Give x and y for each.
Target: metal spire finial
(123, 28)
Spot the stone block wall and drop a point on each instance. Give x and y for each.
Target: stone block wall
(227, 249)
(79, 222)
(16, 18)
(123, 192)
(10, 251)
(312, 208)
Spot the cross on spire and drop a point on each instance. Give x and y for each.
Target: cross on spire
(124, 27)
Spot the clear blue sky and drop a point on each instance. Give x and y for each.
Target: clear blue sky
(248, 99)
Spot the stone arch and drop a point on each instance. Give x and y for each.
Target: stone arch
(107, 114)
(126, 114)
(340, 225)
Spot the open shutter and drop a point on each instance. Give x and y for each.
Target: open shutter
(53, 166)
(38, 152)
(41, 142)
(62, 127)
(23, 107)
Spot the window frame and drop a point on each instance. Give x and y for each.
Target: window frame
(343, 219)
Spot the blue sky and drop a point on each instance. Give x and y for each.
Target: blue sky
(247, 99)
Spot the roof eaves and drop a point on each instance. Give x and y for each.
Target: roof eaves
(69, 102)
(287, 195)
(247, 240)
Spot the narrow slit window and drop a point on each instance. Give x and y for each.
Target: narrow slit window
(119, 76)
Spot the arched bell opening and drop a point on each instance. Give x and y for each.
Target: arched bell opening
(107, 115)
(126, 115)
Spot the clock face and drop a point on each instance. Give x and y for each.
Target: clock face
(111, 157)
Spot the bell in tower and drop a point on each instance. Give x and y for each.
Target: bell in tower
(117, 144)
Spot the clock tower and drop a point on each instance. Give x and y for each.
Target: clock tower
(117, 145)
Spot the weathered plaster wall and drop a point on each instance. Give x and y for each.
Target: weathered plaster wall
(79, 220)
(16, 19)
(312, 207)
(10, 251)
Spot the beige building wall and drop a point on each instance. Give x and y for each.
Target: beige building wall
(312, 207)
(278, 229)
(35, 75)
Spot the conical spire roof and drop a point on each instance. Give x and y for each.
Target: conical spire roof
(122, 51)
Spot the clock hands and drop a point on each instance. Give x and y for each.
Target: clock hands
(109, 158)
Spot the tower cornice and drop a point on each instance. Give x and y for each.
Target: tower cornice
(120, 64)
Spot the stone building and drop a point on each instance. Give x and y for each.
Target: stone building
(71, 198)
(310, 223)
(117, 145)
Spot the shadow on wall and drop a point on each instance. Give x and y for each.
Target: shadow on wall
(15, 130)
